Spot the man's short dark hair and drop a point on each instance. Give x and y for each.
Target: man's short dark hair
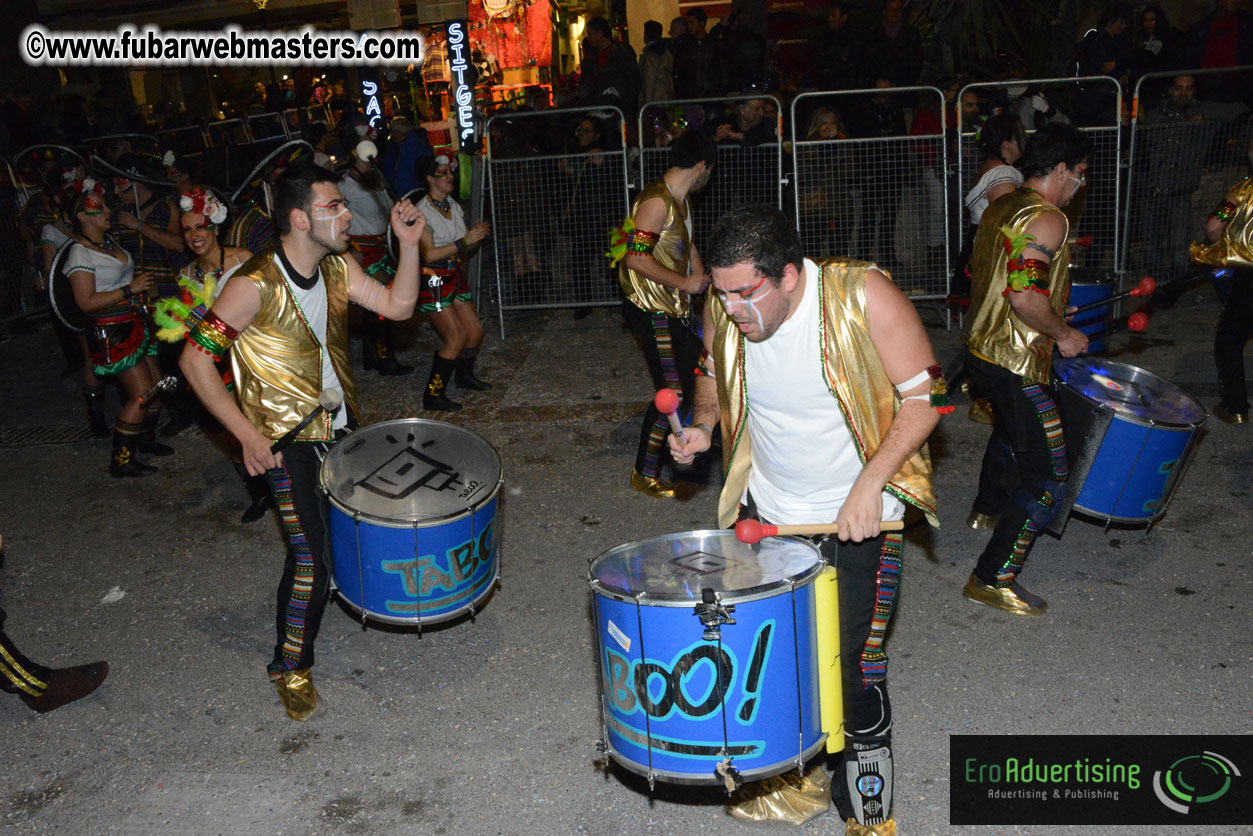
(294, 190)
(1115, 12)
(1055, 143)
(755, 234)
(691, 148)
(652, 31)
(698, 13)
(599, 24)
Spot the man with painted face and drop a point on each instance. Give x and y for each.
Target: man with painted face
(659, 273)
(1019, 288)
(284, 317)
(827, 388)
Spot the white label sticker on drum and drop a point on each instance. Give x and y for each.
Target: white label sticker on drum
(620, 637)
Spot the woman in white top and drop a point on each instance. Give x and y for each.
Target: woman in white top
(445, 294)
(1001, 140)
(371, 206)
(107, 289)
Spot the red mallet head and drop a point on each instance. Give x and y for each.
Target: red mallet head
(1084, 240)
(748, 531)
(1138, 321)
(666, 401)
(1145, 287)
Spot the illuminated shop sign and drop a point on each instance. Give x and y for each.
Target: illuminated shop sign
(369, 94)
(463, 90)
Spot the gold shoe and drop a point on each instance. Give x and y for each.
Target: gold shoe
(982, 522)
(296, 691)
(1225, 415)
(981, 411)
(1012, 599)
(887, 828)
(658, 488)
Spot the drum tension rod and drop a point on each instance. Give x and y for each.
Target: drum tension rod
(713, 615)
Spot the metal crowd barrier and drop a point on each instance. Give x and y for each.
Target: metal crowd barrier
(552, 211)
(879, 198)
(1179, 168)
(744, 174)
(1098, 205)
(228, 132)
(266, 125)
(186, 140)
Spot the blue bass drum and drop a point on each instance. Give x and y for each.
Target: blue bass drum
(412, 520)
(707, 655)
(1128, 437)
(1087, 287)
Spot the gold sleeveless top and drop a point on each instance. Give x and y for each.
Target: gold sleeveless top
(855, 376)
(277, 360)
(994, 332)
(673, 252)
(1235, 248)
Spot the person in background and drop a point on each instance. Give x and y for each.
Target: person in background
(656, 66)
(835, 62)
(698, 74)
(610, 74)
(894, 48)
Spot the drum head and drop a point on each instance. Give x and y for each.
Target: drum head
(677, 567)
(1131, 392)
(411, 472)
(61, 294)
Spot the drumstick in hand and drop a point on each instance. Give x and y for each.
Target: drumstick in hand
(751, 531)
(330, 400)
(667, 402)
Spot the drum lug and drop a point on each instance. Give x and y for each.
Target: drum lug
(713, 615)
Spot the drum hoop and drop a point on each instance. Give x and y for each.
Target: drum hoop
(427, 522)
(1152, 423)
(756, 593)
(53, 271)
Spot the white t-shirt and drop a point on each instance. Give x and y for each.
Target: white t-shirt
(804, 460)
(110, 274)
(977, 197)
(371, 210)
(312, 304)
(52, 234)
(443, 230)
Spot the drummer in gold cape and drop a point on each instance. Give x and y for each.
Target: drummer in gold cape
(284, 315)
(1020, 286)
(826, 387)
(1229, 246)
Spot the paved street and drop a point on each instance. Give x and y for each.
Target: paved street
(489, 726)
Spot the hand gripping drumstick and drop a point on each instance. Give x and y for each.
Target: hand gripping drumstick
(751, 531)
(1145, 287)
(667, 402)
(330, 400)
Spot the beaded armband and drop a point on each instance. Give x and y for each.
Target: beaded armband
(1225, 211)
(702, 365)
(211, 335)
(642, 241)
(1024, 273)
(938, 396)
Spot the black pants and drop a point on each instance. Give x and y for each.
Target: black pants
(304, 587)
(672, 347)
(1024, 471)
(1234, 326)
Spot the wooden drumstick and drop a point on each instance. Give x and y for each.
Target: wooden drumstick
(330, 400)
(166, 384)
(751, 531)
(667, 402)
(1145, 287)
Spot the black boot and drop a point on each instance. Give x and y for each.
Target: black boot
(147, 442)
(434, 398)
(386, 363)
(123, 463)
(466, 378)
(93, 398)
(258, 492)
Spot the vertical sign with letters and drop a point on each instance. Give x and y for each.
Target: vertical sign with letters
(462, 81)
(369, 96)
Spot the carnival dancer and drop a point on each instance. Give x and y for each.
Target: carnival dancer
(284, 317)
(1229, 247)
(827, 388)
(253, 228)
(201, 215)
(114, 297)
(44, 689)
(1019, 287)
(147, 227)
(659, 271)
(367, 195)
(446, 299)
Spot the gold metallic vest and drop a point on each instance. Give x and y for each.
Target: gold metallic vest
(854, 375)
(277, 360)
(672, 252)
(995, 332)
(1235, 248)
